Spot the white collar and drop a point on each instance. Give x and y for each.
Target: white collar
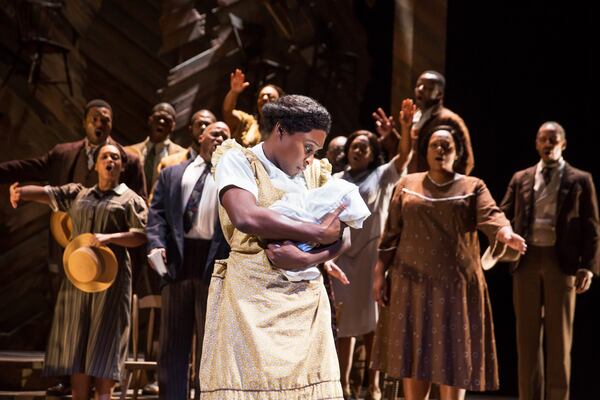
(119, 190)
(560, 164)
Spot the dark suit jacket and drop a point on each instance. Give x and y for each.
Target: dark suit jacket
(165, 225)
(57, 168)
(577, 226)
(442, 116)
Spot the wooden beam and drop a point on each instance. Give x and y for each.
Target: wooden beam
(419, 44)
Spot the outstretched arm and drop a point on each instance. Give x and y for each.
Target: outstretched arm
(27, 193)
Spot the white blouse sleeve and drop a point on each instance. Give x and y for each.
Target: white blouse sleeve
(234, 170)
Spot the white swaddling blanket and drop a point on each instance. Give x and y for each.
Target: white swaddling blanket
(314, 204)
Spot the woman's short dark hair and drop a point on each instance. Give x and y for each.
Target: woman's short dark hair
(373, 143)
(110, 142)
(459, 140)
(295, 113)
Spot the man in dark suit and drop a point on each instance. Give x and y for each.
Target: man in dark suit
(183, 227)
(73, 162)
(554, 206)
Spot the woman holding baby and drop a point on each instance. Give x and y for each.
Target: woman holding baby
(267, 336)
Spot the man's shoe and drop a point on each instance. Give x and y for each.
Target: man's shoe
(60, 389)
(151, 388)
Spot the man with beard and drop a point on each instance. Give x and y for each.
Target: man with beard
(158, 144)
(183, 227)
(73, 162)
(198, 123)
(554, 207)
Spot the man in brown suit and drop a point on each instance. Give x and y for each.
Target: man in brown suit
(158, 144)
(429, 99)
(73, 162)
(198, 123)
(554, 206)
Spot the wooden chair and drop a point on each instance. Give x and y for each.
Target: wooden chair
(135, 365)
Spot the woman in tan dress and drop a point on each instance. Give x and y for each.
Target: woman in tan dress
(267, 337)
(436, 325)
(90, 331)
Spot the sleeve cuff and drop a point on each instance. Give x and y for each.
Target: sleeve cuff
(53, 204)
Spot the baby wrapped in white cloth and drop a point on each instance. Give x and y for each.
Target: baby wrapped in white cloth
(314, 204)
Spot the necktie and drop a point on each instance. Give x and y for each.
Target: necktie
(89, 152)
(191, 208)
(547, 174)
(149, 164)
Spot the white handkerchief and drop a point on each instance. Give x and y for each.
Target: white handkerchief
(157, 263)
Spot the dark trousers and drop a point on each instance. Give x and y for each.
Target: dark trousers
(544, 301)
(183, 308)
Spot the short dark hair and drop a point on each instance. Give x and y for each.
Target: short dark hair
(295, 113)
(439, 78)
(166, 107)
(558, 127)
(373, 143)
(96, 103)
(111, 142)
(459, 140)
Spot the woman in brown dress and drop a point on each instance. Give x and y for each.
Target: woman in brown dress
(436, 325)
(90, 331)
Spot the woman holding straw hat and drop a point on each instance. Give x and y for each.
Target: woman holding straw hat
(90, 330)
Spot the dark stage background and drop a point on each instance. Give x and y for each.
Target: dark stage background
(510, 66)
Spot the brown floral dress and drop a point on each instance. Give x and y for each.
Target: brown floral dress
(438, 325)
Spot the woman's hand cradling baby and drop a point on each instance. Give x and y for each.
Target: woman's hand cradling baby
(331, 227)
(286, 255)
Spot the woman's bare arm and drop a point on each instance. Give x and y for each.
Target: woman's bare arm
(252, 219)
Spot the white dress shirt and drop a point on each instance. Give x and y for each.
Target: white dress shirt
(204, 225)
(543, 229)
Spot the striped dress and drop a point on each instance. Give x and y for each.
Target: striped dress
(90, 331)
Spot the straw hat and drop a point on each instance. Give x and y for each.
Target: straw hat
(500, 253)
(61, 227)
(89, 268)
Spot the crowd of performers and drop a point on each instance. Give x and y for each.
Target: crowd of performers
(410, 282)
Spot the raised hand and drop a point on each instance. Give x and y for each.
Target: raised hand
(15, 194)
(384, 125)
(407, 111)
(237, 81)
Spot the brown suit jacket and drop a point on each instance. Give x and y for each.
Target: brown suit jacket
(442, 116)
(577, 224)
(139, 149)
(173, 159)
